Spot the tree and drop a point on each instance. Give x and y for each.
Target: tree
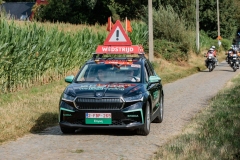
(208, 18)
(184, 8)
(228, 19)
(237, 13)
(75, 11)
(54, 11)
(131, 9)
(19, 0)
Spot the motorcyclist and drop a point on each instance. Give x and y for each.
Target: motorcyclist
(229, 53)
(234, 47)
(210, 51)
(234, 51)
(215, 54)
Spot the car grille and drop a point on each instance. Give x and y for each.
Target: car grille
(98, 103)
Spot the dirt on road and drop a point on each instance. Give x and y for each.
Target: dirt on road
(183, 99)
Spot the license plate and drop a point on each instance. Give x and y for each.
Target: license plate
(98, 118)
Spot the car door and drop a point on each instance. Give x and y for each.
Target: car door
(153, 88)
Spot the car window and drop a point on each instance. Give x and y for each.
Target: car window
(150, 68)
(146, 73)
(149, 71)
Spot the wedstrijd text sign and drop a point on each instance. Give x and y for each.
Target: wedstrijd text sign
(119, 49)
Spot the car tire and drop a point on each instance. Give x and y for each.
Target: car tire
(147, 121)
(159, 117)
(67, 130)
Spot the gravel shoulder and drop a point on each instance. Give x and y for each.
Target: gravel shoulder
(183, 99)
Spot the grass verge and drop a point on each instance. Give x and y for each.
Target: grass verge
(30, 110)
(212, 134)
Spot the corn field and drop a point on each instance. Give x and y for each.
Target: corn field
(32, 54)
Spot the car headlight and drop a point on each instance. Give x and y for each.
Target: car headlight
(67, 97)
(138, 97)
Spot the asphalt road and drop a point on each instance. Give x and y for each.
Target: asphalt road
(183, 99)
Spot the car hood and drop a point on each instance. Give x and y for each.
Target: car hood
(104, 89)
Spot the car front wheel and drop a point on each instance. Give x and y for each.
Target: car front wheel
(147, 121)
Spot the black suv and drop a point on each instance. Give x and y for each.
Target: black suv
(112, 92)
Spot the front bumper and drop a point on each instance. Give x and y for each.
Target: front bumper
(126, 118)
(128, 126)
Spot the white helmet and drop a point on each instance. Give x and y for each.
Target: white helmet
(213, 47)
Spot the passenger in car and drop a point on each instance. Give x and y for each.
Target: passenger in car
(130, 76)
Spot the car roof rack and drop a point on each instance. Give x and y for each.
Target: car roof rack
(100, 55)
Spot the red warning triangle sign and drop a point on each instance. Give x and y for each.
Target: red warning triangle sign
(117, 36)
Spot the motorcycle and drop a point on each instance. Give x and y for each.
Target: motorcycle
(234, 63)
(210, 62)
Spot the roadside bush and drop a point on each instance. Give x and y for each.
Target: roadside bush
(171, 51)
(172, 39)
(168, 25)
(226, 44)
(206, 42)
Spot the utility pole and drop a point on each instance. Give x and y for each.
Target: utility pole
(197, 25)
(150, 30)
(219, 37)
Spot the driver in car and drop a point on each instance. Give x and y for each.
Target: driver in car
(100, 75)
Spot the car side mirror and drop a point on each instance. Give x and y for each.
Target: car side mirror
(69, 79)
(154, 79)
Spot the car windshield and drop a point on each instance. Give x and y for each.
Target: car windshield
(128, 72)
